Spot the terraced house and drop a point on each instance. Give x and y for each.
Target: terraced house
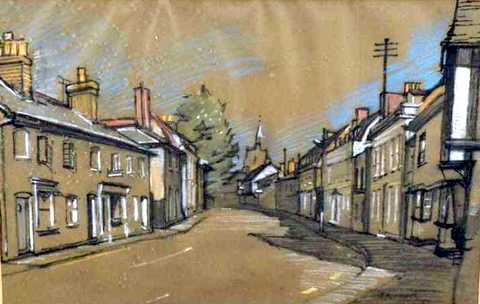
(310, 182)
(338, 177)
(431, 193)
(387, 160)
(174, 173)
(64, 178)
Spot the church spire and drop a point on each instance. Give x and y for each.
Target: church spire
(259, 134)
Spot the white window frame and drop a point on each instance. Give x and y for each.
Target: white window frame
(72, 210)
(379, 203)
(136, 209)
(116, 162)
(142, 164)
(144, 212)
(96, 159)
(129, 165)
(397, 202)
(26, 143)
(461, 96)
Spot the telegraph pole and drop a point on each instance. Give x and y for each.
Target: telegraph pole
(385, 50)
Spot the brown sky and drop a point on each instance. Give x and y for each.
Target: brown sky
(307, 54)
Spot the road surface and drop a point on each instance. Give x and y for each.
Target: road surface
(216, 262)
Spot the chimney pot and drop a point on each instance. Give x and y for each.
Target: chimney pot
(361, 113)
(8, 35)
(81, 74)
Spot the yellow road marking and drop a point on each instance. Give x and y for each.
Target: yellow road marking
(335, 276)
(309, 290)
(158, 298)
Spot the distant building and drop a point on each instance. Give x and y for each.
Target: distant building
(256, 155)
(364, 123)
(337, 166)
(286, 185)
(310, 182)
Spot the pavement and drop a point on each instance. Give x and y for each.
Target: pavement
(66, 255)
(417, 275)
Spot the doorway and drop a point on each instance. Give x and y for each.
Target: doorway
(23, 224)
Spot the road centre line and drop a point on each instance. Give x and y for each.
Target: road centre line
(162, 258)
(158, 298)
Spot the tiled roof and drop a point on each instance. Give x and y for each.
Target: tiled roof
(47, 111)
(465, 28)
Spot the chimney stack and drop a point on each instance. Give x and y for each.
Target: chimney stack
(411, 86)
(82, 94)
(361, 113)
(142, 106)
(15, 63)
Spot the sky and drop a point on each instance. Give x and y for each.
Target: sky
(300, 65)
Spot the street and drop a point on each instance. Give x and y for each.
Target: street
(216, 262)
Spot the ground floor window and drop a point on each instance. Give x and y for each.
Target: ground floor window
(72, 210)
(116, 209)
(445, 210)
(144, 209)
(46, 210)
(424, 200)
(136, 209)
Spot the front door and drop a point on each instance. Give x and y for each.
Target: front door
(23, 226)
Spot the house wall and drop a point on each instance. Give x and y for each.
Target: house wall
(338, 186)
(173, 185)
(424, 221)
(286, 190)
(359, 193)
(386, 194)
(80, 181)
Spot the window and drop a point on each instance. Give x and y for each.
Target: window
(362, 178)
(374, 163)
(136, 211)
(170, 159)
(115, 209)
(356, 179)
(397, 202)
(427, 206)
(144, 207)
(396, 151)
(72, 210)
(383, 156)
(389, 204)
(142, 167)
(391, 156)
(44, 151)
(115, 164)
(379, 203)
(95, 159)
(46, 210)
(446, 205)
(373, 205)
(423, 206)
(69, 157)
(129, 169)
(21, 139)
(422, 145)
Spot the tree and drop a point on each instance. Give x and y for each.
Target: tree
(202, 120)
